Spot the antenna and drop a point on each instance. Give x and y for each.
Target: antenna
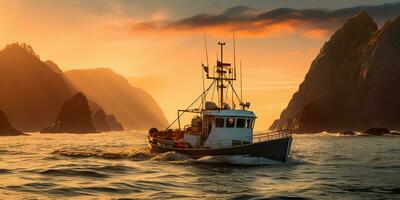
(234, 50)
(203, 99)
(241, 83)
(205, 45)
(202, 71)
(234, 59)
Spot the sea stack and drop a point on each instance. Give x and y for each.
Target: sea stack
(6, 128)
(353, 82)
(74, 117)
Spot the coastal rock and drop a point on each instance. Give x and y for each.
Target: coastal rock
(6, 128)
(74, 117)
(377, 131)
(113, 123)
(99, 121)
(353, 82)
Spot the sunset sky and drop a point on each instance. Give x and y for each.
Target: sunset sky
(158, 44)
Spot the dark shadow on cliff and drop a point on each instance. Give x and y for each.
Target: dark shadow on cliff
(353, 83)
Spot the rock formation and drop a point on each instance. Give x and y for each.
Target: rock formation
(74, 117)
(353, 84)
(132, 106)
(100, 122)
(31, 93)
(113, 123)
(6, 128)
(104, 122)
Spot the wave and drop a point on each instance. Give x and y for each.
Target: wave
(5, 171)
(73, 172)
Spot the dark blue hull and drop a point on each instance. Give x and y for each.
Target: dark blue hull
(277, 149)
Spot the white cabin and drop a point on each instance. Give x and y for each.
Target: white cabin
(226, 128)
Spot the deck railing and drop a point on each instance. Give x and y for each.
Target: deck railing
(256, 138)
(239, 141)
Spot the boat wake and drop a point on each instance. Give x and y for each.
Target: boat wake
(238, 160)
(134, 154)
(144, 155)
(171, 156)
(112, 153)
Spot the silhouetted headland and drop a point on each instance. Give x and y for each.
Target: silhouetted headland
(31, 92)
(353, 83)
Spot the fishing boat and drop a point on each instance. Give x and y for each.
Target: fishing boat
(218, 128)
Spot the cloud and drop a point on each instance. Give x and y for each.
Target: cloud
(313, 23)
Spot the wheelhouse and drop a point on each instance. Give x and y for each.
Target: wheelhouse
(227, 128)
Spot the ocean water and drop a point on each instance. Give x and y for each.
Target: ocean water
(117, 165)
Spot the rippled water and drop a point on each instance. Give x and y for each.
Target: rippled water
(118, 166)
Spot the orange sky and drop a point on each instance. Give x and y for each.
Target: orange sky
(165, 61)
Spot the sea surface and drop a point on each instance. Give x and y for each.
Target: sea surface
(117, 165)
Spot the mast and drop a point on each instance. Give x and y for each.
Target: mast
(220, 77)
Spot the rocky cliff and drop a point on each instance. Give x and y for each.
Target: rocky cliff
(74, 117)
(6, 128)
(353, 83)
(132, 106)
(31, 93)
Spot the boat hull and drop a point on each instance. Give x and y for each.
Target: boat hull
(277, 149)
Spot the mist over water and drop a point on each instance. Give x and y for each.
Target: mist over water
(118, 165)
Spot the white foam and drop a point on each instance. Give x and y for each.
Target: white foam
(237, 160)
(170, 156)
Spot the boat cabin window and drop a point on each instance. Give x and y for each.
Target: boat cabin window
(241, 123)
(230, 122)
(249, 123)
(219, 122)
